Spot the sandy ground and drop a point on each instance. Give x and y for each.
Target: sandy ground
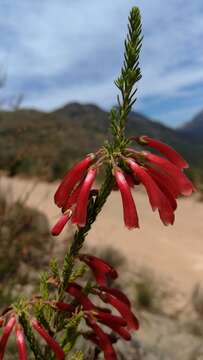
(175, 252)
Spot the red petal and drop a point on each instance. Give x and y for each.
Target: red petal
(72, 199)
(58, 227)
(123, 332)
(64, 306)
(99, 277)
(167, 192)
(104, 341)
(166, 180)
(157, 199)
(20, 341)
(185, 185)
(82, 202)
(166, 150)
(76, 291)
(123, 309)
(108, 318)
(116, 323)
(99, 268)
(94, 338)
(130, 180)
(71, 179)
(129, 209)
(116, 293)
(5, 335)
(58, 351)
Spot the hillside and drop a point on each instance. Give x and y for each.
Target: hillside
(194, 128)
(37, 143)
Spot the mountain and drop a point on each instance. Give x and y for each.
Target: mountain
(194, 128)
(42, 144)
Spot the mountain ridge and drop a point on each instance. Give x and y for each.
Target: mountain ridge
(45, 144)
(194, 127)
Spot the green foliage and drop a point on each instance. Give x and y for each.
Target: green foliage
(78, 272)
(78, 355)
(44, 287)
(130, 75)
(71, 333)
(54, 267)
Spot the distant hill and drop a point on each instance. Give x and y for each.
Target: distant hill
(36, 143)
(194, 128)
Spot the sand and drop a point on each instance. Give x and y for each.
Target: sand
(175, 252)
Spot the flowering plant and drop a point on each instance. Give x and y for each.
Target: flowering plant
(68, 308)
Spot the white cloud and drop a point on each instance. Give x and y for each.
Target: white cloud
(71, 50)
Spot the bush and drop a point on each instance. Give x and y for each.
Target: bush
(25, 232)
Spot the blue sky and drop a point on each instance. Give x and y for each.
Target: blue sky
(57, 51)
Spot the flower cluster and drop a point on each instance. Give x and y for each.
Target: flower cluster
(94, 315)
(73, 193)
(162, 176)
(119, 325)
(10, 321)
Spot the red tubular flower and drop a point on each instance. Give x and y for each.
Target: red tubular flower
(72, 198)
(157, 198)
(122, 308)
(5, 335)
(164, 149)
(166, 190)
(108, 318)
(184, 184)
(116, 293)
(20, 341)
(129, 209)
(104, 341)
(165, 179)
(76, 291)
(58, 351)
(72, 177)
(99, 268)
(59, 226)
(120, 330)
(116, 323)
(89, 335)
(64, 306)
(131, 180)
(80, 215)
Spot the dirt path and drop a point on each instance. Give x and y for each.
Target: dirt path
(175, 251)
